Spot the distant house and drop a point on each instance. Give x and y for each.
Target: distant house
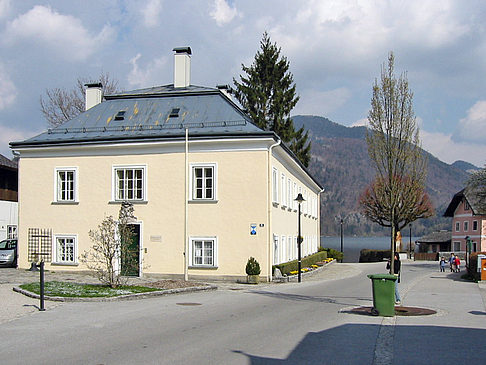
(8, 198)
(467, 221)
(210, 188)
(435, 242)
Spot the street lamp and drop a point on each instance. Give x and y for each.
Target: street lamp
(299, 200)
(410, 242)
(342, 248)
(468, 248)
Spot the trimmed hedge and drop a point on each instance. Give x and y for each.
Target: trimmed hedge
(322, 254)
(367, 255)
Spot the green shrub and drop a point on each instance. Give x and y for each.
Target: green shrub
(335, 254)
(252, 267)
(366, 255)
(307, 261)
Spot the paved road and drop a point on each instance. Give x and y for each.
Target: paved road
(287, 323)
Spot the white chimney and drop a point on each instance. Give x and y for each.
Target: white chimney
(182, 66)
(94, 95)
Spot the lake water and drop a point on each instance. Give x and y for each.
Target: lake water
(353, 245)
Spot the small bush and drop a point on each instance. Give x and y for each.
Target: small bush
(366, 255)
(252, 267)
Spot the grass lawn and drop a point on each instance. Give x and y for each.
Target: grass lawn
(63, 289)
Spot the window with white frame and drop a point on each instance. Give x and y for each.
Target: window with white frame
(11, 232)
(275, 250)
(285, 251)
(66, 184)
(65, 249)
(289, 193)
(466, 226)
(457, 246)
(466, 205)
(275, 185)
(294, 195)
(458, 226)
(203, 252)
(129, 183)
(475, 226)
(283, 190)
(203, 181)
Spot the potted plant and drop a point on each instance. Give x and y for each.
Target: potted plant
(253, 271)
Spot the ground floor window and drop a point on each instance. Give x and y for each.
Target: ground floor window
(204, 252)
(11, 232)
(457, 246)
(65, 249)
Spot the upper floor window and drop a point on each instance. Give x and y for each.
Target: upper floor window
(129, 183)
(466, 205)
(275, 185)
(466, 226)
(204, 182)
(66, 184)
(283, 190)
(458, 226)
(475, 225)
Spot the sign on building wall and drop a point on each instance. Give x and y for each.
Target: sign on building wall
(253, 229)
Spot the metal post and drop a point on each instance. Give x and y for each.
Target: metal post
(299, 243)
(42, 286)
(410, 242)
(342, 250)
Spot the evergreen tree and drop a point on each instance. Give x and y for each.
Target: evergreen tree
(267, 92)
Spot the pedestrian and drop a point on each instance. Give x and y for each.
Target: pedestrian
(451, 261)
(457, 263)
(396, 271)
(442, 264)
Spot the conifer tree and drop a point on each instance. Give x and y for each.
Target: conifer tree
(267, 92)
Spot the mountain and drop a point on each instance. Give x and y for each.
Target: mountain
(465, 166)
(341, 164)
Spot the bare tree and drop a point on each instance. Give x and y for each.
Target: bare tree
(477, 185)
(397, 195)
(110, 248)
(60, 105)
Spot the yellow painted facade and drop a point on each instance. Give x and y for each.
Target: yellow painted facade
(244, 197)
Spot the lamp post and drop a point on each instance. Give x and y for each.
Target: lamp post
(299, 200)
(342, 248)
(410, 242)
(468, 248)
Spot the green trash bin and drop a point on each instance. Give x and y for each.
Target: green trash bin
(383, 294)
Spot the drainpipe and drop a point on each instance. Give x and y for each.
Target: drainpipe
(269, 205)
(186, 207)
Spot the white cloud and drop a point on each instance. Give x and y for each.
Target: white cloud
(444, 147)
(8, 135)
(473, 127)
(361, 123)
(151, 13)
(318, 102)
(4, 8)
(222, 12)
(64, 34)
(150, 75)
(8, 91)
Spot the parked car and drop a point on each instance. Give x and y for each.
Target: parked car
(8, 253)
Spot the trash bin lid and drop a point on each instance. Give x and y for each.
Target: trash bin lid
(382, 276)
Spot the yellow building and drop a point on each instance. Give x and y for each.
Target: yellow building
(210, 189)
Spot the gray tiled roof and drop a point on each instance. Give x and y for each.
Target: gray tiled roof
(5, 162)
(147, 114)
(436, 237)
(472, 198)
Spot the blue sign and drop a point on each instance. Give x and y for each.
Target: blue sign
(253, 231)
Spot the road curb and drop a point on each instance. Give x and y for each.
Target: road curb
(120, 297)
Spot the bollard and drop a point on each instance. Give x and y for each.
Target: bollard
(42, 286)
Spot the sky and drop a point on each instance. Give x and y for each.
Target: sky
(335, 48)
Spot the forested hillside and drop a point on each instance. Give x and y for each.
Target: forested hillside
(340, 162)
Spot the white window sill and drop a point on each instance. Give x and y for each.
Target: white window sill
(203, 267)
(67, 202)
(130, 201)
(64, 264)
(202, 201)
